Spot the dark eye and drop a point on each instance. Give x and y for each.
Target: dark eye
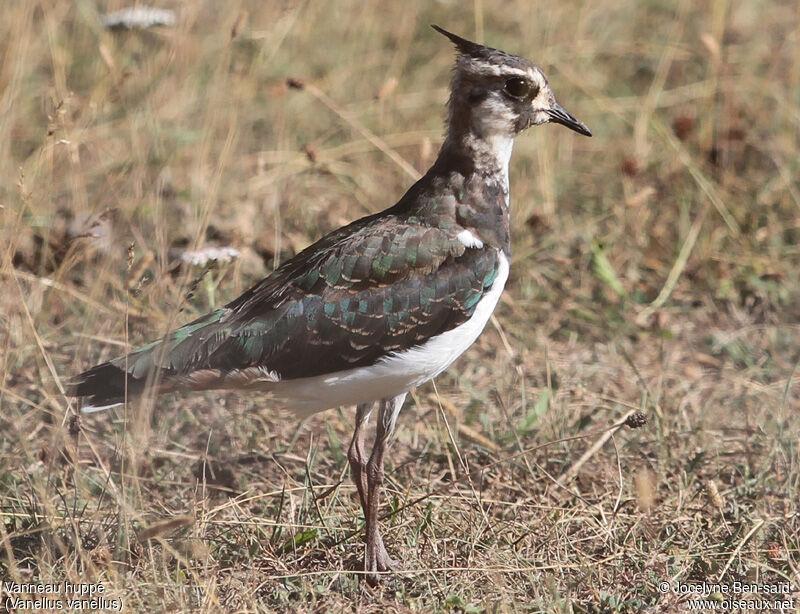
(517, 87)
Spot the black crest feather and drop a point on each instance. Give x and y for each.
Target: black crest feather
(464, 46)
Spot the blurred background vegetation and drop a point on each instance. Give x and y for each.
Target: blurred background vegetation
(655, 269)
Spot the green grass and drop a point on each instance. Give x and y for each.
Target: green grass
(655, 270)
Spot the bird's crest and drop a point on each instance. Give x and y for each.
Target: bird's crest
(464, 46)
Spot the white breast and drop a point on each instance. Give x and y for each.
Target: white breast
(393, 374)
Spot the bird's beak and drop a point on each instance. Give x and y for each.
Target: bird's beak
(560, 115)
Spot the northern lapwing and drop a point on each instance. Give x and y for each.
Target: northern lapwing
(379, 306)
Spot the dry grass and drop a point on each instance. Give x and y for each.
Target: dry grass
(655, 270)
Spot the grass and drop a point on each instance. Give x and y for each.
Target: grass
(655, 270)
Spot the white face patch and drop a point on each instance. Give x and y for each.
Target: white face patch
(538, 79)
(495, 115)
(544, 96)
(540, 117)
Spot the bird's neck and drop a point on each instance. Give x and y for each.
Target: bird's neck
(471, 154)
(481, 139)
(472, 167)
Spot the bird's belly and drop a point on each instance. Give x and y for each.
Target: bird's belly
(392, 374)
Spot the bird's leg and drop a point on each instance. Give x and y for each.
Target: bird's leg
(357, 456)
(377, 557)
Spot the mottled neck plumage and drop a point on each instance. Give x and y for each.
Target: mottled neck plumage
(474, 151)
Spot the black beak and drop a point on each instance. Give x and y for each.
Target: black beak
(560, 115)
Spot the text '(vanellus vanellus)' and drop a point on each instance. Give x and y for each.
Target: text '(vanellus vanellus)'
(379, 306)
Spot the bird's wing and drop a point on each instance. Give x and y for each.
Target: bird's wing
(378, 286)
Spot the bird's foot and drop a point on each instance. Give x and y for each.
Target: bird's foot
(384, 561)
(378, 562)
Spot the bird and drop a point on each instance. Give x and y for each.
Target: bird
(379, 306)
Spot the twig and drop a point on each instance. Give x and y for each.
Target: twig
(758, 524)
(575, 467)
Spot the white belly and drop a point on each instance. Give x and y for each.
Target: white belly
(394, 374)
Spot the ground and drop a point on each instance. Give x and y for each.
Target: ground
(655, 271)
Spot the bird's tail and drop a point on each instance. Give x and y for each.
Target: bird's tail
(159, 364)
(104, 386)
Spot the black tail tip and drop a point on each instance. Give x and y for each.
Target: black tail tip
(103, 386)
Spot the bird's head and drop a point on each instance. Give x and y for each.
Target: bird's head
(495, 93)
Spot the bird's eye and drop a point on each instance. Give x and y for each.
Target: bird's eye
(517, 87)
